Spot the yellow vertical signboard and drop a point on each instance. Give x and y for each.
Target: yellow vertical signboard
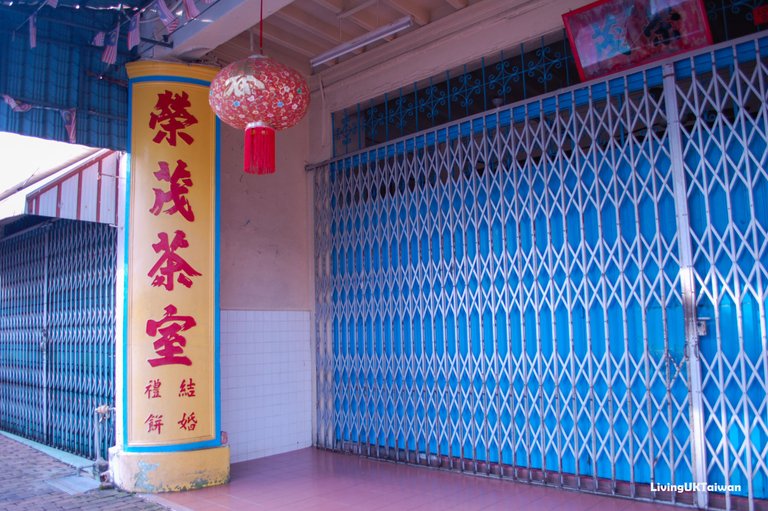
(171, 348)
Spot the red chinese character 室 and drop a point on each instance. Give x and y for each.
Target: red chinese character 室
(171, 116)
(170, 345)
(170, 263)
(180, 181)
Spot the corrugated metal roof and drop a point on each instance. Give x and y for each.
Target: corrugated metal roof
(88, 191)
(26, 159)
(63, 72)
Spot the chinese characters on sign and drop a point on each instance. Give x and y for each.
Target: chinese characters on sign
(154, 423)
(188, 422)
(172, 194)
(171, 117)
(170, 263)
(179, 183)
(152, 390)
(187, 388)
(170, 344)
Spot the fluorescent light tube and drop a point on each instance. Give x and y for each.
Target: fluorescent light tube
(363, 40)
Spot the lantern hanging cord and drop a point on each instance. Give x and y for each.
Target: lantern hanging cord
(261, 27)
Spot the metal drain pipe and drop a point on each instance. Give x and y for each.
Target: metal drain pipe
(101, 415)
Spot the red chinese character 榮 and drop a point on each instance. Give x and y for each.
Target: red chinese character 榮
(171, 116)
(152, 390)
(154, 423)
(180, 181)
(170, 345)
(170, 263)
(187, 388)
(188, 422)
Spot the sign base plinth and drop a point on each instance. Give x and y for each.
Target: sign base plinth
(154, 472)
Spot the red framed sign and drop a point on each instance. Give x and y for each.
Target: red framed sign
(613, 35)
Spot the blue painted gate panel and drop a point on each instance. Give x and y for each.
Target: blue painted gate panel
(57, 333)
(504, 295)
(506, 292)
(722, 97)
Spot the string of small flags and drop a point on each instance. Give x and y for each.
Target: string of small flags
(68, 115)
(109, 55)
(133, 31)
(169, 20)
(32, 20)
(108, 40)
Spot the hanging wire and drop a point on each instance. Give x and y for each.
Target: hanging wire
(35, 13)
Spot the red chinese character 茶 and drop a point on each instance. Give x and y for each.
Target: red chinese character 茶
(170, 345)
(187, 388)
(170, 263)
(152, 390)
(180, 181)
(188, 422)
(154, 423)
(172, 117)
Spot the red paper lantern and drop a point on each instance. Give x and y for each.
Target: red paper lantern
(259, 95)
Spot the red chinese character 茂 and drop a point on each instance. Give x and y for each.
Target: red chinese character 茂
(152, 390)
(154, 423)
(187, 388)
(188, 422)
(170, 345)
(179, 181)
(172, 118)
(170, 263)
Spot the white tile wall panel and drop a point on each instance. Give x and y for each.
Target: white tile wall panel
(266, 375)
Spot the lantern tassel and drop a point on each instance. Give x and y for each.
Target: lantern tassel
(259, 150)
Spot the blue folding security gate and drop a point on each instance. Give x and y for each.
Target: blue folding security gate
(525, 293)
(57, 333)
(722, 100)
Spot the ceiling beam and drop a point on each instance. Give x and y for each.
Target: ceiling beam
(335, 6)
(419, 14)
(355, 15)
(239, 48)
(359, 7)
(310, 24)
(364, 20)
(290, 41)
(458, 4)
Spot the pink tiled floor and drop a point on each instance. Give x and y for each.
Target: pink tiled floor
(314, 480)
